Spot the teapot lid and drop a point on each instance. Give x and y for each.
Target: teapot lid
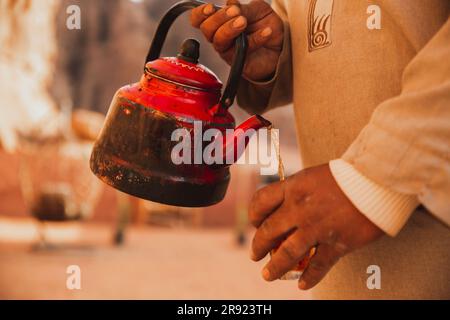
(185, 69)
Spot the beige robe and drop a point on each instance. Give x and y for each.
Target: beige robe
(379, 99)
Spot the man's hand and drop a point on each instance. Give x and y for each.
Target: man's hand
(263, 26)
(307, 210)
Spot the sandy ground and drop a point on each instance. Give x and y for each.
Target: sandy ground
(153, 264)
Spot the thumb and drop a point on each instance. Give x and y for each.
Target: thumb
(258, 39)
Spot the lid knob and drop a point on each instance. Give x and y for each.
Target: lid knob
(190, 51)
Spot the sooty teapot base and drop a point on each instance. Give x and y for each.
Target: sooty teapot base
(161, 189)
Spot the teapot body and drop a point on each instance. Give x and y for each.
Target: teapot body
(133, 152)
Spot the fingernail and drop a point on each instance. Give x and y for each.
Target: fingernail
(266, 274)
(209, 9)
(266, 32)
(253, 256)
(233, 11)
(239, 23)
(302, 285)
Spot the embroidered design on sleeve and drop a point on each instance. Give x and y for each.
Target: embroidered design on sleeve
(319, 24)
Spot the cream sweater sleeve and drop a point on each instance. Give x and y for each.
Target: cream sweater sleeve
(406, 145)
(387, 209)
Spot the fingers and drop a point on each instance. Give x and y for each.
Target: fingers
(258, 39)
(326, 256)
(221, 27)
(271, 232)
(210, 26)
(225, 35)
(201, 13)
(290, 253)
(265, 201)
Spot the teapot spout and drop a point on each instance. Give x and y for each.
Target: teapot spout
(236, 141)
(255, 122)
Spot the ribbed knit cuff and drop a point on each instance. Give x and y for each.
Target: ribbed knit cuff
(387, 209)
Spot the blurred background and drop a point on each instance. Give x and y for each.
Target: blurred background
(56, 85)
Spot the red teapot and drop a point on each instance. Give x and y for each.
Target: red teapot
(133, 152)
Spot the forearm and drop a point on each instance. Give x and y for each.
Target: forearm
(405, 146)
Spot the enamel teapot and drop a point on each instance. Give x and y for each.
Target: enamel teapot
(134, 152)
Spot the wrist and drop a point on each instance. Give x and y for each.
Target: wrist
(387, 209)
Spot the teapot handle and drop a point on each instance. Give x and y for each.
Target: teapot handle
(237, 66)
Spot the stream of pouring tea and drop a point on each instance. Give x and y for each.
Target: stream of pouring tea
(298, 271)
(274, 137)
